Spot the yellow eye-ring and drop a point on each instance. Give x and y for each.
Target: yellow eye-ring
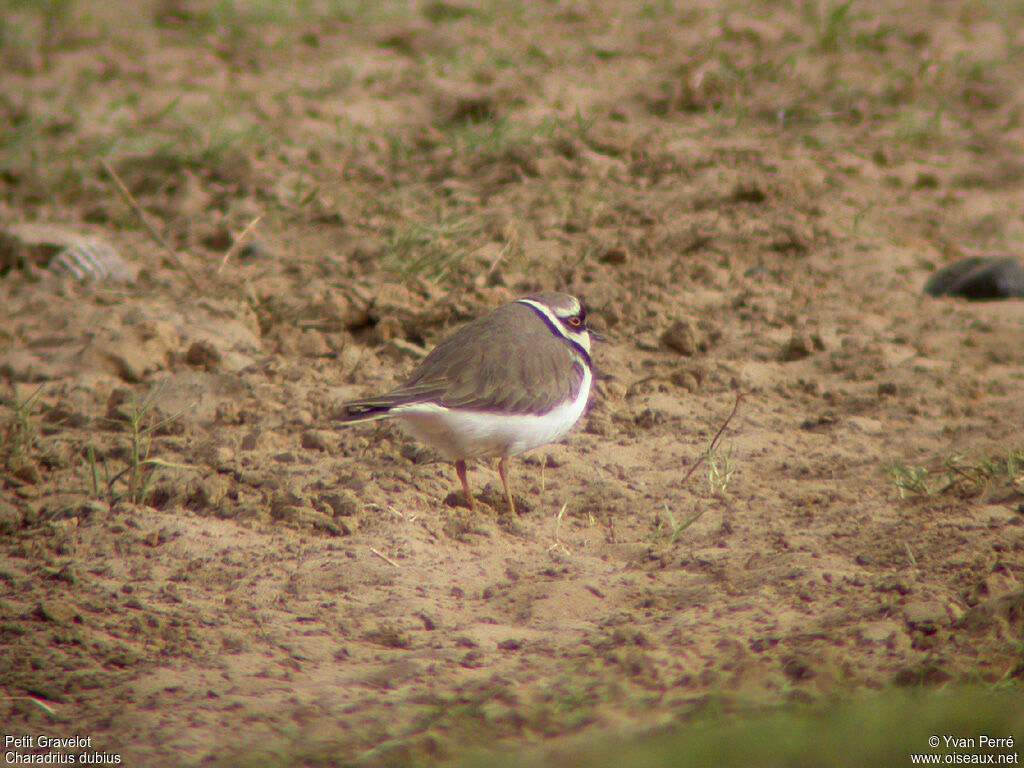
(575, 322)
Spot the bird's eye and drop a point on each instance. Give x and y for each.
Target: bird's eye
(575, 321)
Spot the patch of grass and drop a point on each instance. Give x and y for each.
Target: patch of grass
(17, 432)
(860, 215)
(985, 474)
(493, 138)
(877, 39)
(878, 730)
(40, 25)
(571, 702)
(197, 142)
(33, 700)
(668, 523)
(963, 476)
(430, 249)
(720, 469)
(229, 17)
(142, 424)
(558, 545)
(920, 125)
(909, 479)
(498, 138)
(834, 26)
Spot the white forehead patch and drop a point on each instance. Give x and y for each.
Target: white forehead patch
(561, 304)
(572, 309)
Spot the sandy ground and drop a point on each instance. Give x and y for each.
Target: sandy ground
(748, 200)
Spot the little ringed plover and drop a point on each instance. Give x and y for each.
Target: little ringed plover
(512, 380)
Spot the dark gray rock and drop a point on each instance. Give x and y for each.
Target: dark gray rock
(979, 278)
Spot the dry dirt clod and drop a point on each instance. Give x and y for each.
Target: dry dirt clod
(208, 492)
(879, 631)
(289, 506)
(311, 343)
(319, 440)
(926, 614)
(689, 376)
(25, 469)
(57, 612)
(615, 255)
(389, 636)
(683, 336)
(11, 518)
(204, 355)
(343, 503)
(799, 346)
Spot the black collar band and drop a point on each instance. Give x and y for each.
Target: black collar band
(560, 334)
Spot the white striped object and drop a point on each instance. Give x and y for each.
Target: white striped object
(91, 260)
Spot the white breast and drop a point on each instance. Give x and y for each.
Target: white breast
(461, 435)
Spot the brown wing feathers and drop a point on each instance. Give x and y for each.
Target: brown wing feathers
(502, 362)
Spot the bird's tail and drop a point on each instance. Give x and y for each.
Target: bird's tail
(364, 410)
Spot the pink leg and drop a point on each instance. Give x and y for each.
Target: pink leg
(504, 482)
(460, 470)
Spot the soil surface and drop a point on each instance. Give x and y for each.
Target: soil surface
(198, 566)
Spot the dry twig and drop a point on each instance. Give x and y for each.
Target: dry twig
(714, 440)
(142, 217)
(384, 557)
(237, 245)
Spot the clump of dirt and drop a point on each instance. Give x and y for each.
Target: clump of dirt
(196, 559)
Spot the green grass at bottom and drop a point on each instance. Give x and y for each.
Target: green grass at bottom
(885, 729)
